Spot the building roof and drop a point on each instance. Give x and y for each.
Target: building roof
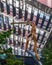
(46, 2)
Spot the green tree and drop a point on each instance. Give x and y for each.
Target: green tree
(11, 59)
(3, 36)
(8, 50)
(47, 54)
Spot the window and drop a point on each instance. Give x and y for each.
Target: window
(46, 34)
(45, 23)
(11, 10)
(40, 37)
(41, 14)
(10, 1)
(26, 27)
(42, 32)
(5, 10)
(39, 41)
(21, 4)
(19, 51)
(40, 21)
(29, 9)
(17, 3)
(35, 12)
(44, 39)
(42, 45)
(47, 17)
(0, 19)
(38, 25)
(48, 29)
(26, 33)
(11, 36)
(44, 27)
(10, 20)
(16, 38)
(34, 18)
(14, 3)
(24, 40)
(37, 30)
(6, 19)
(29, 15)
(50, 25)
